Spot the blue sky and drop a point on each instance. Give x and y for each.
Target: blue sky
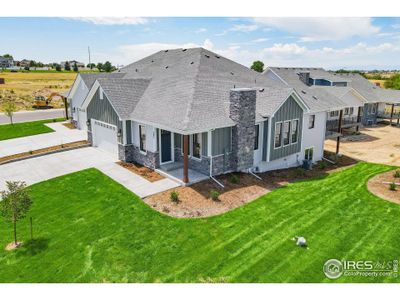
(362, 43)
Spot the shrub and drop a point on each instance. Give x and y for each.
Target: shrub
(323, 165)
(396, 174)
(214, 195)
(300, 171)
(392, 186)
(174, 196)
(234, 179)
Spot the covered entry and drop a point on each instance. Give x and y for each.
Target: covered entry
(105, 137)
(166, 142)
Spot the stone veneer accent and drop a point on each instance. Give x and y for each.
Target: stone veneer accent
(132, 153)
(242, 111)
(74, 122)
(90, 138)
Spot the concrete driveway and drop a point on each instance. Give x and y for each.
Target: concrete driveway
(62, 135)
(49, 166)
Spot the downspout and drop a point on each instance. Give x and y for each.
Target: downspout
(211, 161)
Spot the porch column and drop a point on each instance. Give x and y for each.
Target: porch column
(358, 118)
(185, 158)
(339, 131)
(391, 114)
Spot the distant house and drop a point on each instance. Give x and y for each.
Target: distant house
(24, 63)
(72, 63)
(6, 62)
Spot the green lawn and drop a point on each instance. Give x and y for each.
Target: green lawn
(17, 130)
(91, 229)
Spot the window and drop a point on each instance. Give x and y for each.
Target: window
(373, 108)
(347, 111)
(142, 137)
(196, 145)
(257, 135)
(334, 113)
(101, 96)
(351, 110)
(286, 133)
(295, 130)
(309, 154)
(311, 122)
(278, 135)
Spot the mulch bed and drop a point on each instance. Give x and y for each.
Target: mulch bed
(141, 170)
(69, 125)
(379, 186)
(195, 200)
(41, 151)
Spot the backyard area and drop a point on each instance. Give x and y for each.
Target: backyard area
(23, 84)
(377, 144)
(17, 130)
(88, 228)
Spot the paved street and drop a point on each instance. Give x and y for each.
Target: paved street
(34, 115)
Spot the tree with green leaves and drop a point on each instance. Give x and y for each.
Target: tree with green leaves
(9, 108)
(67, 66)
(108, 67)
(91, 66)
(258, 66)
(15, 204)
(8, 56)
(75, 67)
(58, 68)
(99, 66)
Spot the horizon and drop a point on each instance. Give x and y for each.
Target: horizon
(371, 44)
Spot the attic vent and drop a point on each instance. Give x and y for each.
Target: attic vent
(192, 63)
(184, 50)
(152, 61)
(136, 70)
(234, 86)
(315, 97)
(166, 67)
(261, 90)
(217, 56)
(166, 51)
(278, 68)
(232, 73)
(206, 55)
(304, 92)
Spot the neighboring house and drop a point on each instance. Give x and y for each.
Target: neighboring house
(191, 111)
(6, 62)
(24, 63)
(72, 63)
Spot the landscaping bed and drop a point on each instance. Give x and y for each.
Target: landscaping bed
(141, 170)
(379, 185)
(38, 152)
(69, 125)
(240, 188)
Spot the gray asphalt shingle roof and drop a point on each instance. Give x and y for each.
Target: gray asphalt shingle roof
(90, 78)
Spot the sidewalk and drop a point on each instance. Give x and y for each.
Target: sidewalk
(33, 115)
(62, 135)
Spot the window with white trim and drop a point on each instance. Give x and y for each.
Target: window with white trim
(142, 138)
(309, 154)
(295, 131)
(286, 133)
(311, 121)
(278, 135)
(257, 136)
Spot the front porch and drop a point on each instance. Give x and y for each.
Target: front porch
(175, 171)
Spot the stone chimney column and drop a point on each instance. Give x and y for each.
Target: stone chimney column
(242, 111)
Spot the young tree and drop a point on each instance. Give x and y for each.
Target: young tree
(108, 67)
(99, 66)
(9, 108)
(58, 68)
(15, 203)
(75, 67)
(258, 66)
(91, 66)
(8, 56)
(67, 66)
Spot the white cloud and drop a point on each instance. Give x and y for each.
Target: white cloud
(244, 28)
(113, 20)
(201, 30)
(260, 40)
(319, 29)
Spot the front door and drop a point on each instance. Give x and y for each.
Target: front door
(165, 146)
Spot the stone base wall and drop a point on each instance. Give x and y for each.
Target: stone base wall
(90, 138)
(75, 123)
(131, 153)
(221, 164)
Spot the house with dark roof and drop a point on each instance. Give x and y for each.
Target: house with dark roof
(192, 114)
(6, 62)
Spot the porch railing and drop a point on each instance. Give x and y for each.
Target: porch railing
(332, 125)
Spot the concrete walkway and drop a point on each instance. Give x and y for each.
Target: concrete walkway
(62, 135)
(33, 115)
(49, 166)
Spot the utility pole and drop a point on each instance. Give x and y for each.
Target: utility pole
(89, 58)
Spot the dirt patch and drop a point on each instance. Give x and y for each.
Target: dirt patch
(195, 201)
(41, 151)
(12, 246)
(379, 186)
(141, 170)
(69, 125)
(377, 144)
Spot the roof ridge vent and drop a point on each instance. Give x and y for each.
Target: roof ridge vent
(166, 51)
(152, 61)
(315, 97)
(232, 73)
(261, 90)
(303, 91)
(183, 50)
(166, 67)
(206, 55)
(136, 70)
(192, 63)
(217, 56)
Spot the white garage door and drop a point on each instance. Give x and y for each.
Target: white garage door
(105, 137)
(82, 120)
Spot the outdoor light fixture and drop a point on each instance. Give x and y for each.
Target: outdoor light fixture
(119, 134)
(88, 122)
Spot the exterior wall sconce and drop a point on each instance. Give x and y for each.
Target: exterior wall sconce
(88, 122)
(74, 109)
(119, 133)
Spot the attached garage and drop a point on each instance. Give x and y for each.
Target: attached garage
(105, 137)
